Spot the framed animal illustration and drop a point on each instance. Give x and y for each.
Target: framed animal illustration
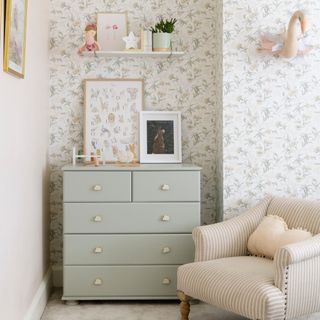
(160, 137)
(111, 125)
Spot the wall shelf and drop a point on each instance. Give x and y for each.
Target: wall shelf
(152, 54)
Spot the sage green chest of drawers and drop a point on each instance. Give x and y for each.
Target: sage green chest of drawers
(127, 229)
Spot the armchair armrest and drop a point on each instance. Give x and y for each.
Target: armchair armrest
(228, 238)
(297, 252)
(297, 275)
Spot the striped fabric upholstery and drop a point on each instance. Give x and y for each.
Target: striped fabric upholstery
(257, 288)
(297, 213)
(243, 285)
(297, 274)
(228, 238)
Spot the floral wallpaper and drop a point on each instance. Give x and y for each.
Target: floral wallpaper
(271, 112)
(187, 84)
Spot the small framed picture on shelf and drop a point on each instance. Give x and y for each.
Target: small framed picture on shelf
(111, 29)
(160, 137)
(111, 126)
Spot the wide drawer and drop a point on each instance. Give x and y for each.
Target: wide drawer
(120, 281)
(166, 186)
(128, 249)
(97, 187)
(131, 217)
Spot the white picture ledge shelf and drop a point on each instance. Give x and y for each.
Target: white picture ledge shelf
(133, 54)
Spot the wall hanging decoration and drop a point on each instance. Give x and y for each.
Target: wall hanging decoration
(15, 37)
(160, 137)
(111, 29)
(90, 43)
(162, 34)
(293, 42)
(112, 109)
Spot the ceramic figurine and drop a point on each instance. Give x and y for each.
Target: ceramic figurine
(131, 41)
(293, 42)
(90, 43)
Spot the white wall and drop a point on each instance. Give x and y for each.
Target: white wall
(271, 107)
(23, 172)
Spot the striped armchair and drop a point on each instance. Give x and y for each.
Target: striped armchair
(224, 275)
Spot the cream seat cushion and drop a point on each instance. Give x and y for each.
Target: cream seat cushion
(244, 285)
(273, 233)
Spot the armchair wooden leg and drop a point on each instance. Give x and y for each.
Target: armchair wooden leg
(184, 305)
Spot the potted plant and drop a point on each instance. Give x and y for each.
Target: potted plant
(162, 34)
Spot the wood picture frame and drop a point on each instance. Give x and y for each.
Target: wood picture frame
(160, 137)
(15, 32)
(111, 122)
(111, 28)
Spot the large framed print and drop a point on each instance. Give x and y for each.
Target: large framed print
(111, 29)
(160, 137)
(111, 127)
(15, 37)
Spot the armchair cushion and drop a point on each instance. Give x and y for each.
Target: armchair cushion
(273, 233)
(243, 285)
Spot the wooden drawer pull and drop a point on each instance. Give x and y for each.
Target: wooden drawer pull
(166, 281)
(165, 218)
(97, 219)
(98, 250)
(166, 250)
(165, 187)
(97, 187)
(98, 282)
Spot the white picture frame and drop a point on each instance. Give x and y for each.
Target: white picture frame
(111, 122)
(160, 137)
(111, 28)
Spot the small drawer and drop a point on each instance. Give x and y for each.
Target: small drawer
(128, 249)
(166, 186)
(131, 217)
(120, 281)
(97, 187)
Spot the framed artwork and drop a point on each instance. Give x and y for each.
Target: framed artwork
(112, 108)
(111, 28)
(15, 37)
(160, 137)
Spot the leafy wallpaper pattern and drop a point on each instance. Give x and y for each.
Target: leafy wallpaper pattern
(187, 84)
(271, 107)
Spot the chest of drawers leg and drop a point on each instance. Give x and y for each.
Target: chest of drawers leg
(127, 242)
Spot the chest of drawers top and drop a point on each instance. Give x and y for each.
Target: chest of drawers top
(139, 167)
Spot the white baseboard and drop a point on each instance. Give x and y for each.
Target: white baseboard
(40, 299)
(57, 276)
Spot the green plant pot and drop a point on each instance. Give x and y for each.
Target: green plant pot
(161, 42)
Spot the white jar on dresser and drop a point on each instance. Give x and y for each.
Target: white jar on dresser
(127, 229)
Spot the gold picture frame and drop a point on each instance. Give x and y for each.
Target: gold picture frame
(111, 118)
(15, 32)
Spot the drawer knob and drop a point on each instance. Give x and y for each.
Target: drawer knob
(165, 218)
(98, 282)
(166, 281)
(98, 250)
(97, 187)
(166, 250)
(97, 219)
(165, 187)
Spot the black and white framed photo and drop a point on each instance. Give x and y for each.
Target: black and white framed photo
(160, 137)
